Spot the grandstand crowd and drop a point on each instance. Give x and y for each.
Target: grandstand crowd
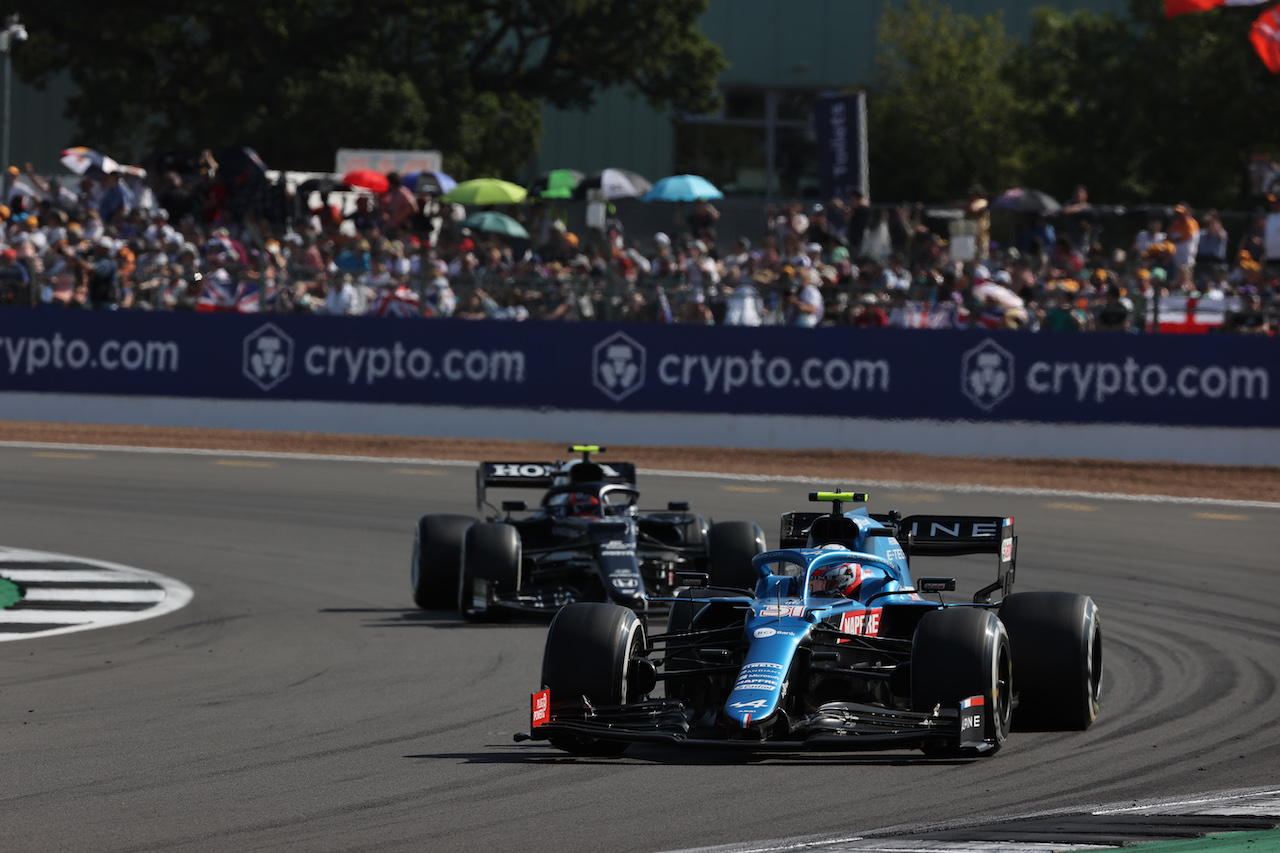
(210, 241)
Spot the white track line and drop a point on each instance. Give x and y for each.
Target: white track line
(751, 478)
(171, 595)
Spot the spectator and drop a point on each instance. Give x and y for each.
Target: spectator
(744, 306)
(805, 305)
(117, 200)
(976, 209)
(1213, 240)
(103, 287)
(1062, 314)
(867, 313)
(399, 206)
(1115, 314)
(857, 220)
(15, 282)
(1249, 318)
(1079, 217)
(702, 222)
(820, 232)
(1184, 234)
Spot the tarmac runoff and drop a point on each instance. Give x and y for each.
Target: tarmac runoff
(1220, 822)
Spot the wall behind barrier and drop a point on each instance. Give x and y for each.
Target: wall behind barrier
(885, 374)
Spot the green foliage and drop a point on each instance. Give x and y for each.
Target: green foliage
(940, 114)
(1137, 106)
(298, 80)
(1143, 108)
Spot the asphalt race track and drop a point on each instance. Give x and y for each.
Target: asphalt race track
(299, 702)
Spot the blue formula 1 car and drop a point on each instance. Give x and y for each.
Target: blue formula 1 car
(837, 647)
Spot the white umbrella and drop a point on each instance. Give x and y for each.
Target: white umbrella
(615, 183)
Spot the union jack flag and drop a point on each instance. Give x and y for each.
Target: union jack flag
(217, 293)
(247, 301)
(397, 302)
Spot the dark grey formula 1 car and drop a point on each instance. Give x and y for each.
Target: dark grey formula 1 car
(587, 540)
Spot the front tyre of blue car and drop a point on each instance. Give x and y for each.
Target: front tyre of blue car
(958, 653)
(592, 652)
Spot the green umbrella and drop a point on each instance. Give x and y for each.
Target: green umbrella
(495, 223)
(486, 191)
(558, 183)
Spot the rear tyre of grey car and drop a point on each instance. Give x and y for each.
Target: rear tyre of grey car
(730, 547)
(593, 651)
(490, 552)
(437, 555)
(1057, 652)
(957, 653)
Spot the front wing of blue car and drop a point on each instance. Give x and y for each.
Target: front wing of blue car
(834, 726)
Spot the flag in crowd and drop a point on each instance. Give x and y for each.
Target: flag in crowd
(396, 302)
(1265, 35)
(1173, 8)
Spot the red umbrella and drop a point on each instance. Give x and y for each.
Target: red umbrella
(367, 178)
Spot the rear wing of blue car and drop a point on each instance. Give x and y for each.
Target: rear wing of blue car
(955, 535)
(921, 535)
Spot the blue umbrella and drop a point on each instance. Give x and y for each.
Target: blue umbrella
(430, 181)
(682, 188)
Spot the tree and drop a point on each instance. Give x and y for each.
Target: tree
(940, 112)
(1145, 109)
(298, 79)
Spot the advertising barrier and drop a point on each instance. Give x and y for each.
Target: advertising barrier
(884, 374)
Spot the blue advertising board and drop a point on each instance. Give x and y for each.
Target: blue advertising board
(883, 374)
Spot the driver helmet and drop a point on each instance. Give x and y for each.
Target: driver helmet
(584, 505)
(841, 579)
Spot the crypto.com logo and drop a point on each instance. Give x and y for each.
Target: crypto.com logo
(617, 366)
(986, 374)
(268, 356)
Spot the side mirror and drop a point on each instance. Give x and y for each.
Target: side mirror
(678, 506)
(514, 506)
(936, 584)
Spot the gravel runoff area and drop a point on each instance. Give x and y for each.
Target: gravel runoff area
(843, 468)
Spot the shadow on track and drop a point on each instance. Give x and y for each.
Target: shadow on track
(695, 757)
(395, 617)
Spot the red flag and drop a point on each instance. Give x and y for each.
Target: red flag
(1265, 35)
(1173, 8)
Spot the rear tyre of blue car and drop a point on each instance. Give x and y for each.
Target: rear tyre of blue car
(1057, 654)
(437, 555)
(957, 653)
(730, 547)
(490, 553)
(591, 652)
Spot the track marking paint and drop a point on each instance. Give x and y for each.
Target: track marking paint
(66, 593)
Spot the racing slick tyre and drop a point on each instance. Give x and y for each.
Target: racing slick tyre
(437, 556)
(1057, 653)
(490, 552)
(730, 547)
(593, 651)
(960, 652)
